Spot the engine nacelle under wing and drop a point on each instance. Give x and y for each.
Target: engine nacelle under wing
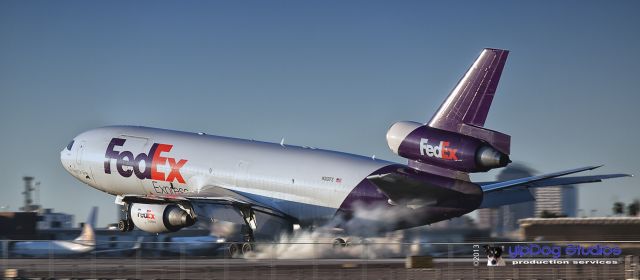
(159, 218)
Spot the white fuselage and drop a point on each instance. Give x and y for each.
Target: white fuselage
(305, 183)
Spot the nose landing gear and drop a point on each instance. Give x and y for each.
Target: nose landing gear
(125, 225)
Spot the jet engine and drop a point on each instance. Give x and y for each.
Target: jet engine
(159, 218)
(443, 148)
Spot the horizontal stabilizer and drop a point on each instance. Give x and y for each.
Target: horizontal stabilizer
(574, 180)
(549, 180)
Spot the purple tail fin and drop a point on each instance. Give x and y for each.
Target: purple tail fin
(470, 100)
(465, 109)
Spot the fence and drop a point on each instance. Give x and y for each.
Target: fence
(361, 259)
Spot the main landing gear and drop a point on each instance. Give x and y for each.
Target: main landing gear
(239, 249)
(245, 247)
(248, 244)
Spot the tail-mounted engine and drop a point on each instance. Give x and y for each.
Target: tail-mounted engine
(159, 218)
(443, 148)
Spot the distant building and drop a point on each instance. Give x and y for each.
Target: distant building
(459, 222)
(51, 220)
(504, 220)
(561, 200)
(18, 225)
(563, 229)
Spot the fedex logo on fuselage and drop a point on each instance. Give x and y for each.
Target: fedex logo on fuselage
(441, 151)
(151, 161)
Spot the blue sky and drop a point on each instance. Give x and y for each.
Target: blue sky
(331, 74)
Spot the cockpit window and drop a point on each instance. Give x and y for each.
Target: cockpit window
(70, 145)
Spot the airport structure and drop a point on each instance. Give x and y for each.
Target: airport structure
(592, 228)
(29, 190)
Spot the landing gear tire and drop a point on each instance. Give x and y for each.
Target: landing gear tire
(123, 226)
(234, 250)
(247, 248)
(339, 243)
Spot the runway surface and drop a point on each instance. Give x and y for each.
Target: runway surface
(186, 268)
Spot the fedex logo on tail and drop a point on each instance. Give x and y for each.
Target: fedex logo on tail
(441, 151)
(151, 161)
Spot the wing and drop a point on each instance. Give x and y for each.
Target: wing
(237, 201)
(214, 203)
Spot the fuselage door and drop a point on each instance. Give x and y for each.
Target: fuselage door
(242, 174)
(84, 169)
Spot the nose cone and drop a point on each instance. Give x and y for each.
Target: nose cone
(66, 157)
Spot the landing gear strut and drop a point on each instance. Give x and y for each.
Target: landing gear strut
(250, 224)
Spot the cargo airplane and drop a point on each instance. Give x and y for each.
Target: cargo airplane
(168, 180)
